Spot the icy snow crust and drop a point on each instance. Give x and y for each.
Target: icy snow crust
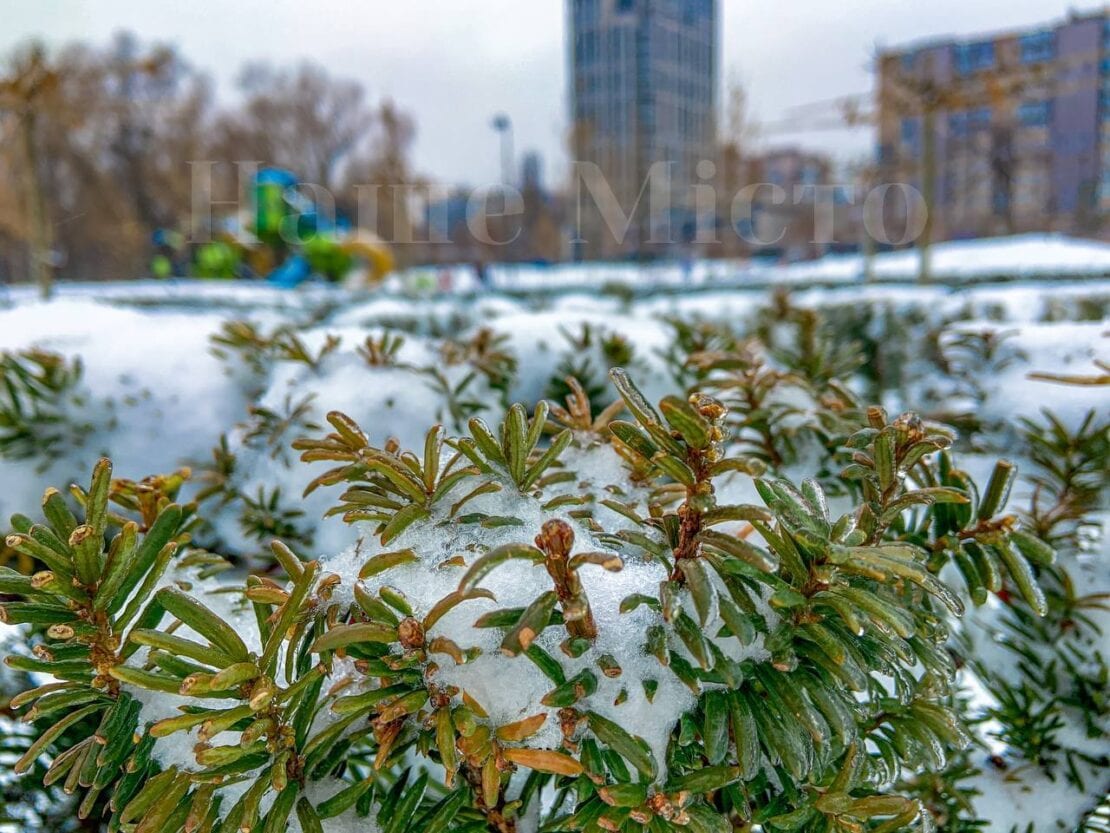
(510, 688)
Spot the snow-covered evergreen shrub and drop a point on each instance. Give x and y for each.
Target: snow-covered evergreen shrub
(1029, 689)
(41, 399)
(560, 623)
(398, 384)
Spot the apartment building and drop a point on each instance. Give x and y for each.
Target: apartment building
(1015, 127)
(643, 76)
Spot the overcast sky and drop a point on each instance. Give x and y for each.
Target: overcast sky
(454, 63)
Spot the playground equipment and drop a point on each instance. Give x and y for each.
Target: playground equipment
(286, 240)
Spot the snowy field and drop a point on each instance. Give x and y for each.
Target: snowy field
(166, 376)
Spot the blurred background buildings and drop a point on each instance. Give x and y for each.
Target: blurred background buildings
(101, 147)
(1013, 127)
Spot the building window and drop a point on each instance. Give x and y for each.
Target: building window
(1037, 47)
(626, 5)
(1035, 113)
(957, 125)
(909, 61)
(973, 57)
(909, 131)
(979, 119)
(585, 48)
(966, 122)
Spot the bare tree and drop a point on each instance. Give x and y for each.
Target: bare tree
(156, 105)
(302, 119)
(95, 146)
(104, 153)
(382, 173)
(27, 90)
(735, 164)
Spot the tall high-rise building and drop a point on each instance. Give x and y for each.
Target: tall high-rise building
(1015, 127)
(644, 80)
(531, 171)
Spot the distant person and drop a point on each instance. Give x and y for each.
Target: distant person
(481, 271)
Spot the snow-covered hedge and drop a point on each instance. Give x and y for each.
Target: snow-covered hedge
(736, 607)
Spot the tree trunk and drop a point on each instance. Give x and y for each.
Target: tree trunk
(41, 254)
(928, 193)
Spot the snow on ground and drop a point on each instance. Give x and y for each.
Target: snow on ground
(1020, 256)
(1068, 350)
(159, 398)
(1025, 256)
(1022, 794)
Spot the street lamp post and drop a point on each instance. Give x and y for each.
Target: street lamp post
(504, 126)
